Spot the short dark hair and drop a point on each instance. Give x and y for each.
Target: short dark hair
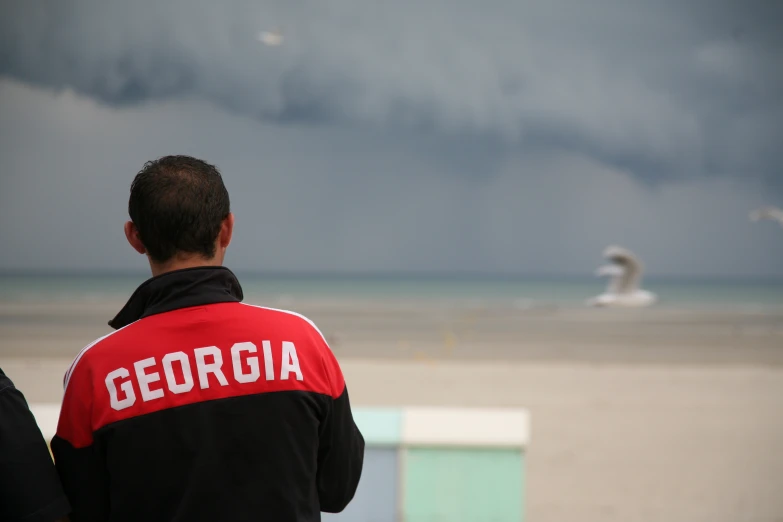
(178, 204)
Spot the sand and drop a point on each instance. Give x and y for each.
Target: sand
(642, 416)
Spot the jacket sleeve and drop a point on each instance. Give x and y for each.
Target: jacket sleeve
(341, 446)
(80, 463)
(29, 488)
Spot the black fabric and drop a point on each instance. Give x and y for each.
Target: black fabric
(251, 458)
(339, 442)
(179, 289)
(29, 488)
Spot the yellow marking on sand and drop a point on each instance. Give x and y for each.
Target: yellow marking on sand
(424, 358)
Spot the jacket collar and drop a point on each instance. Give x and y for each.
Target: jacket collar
(179, 289)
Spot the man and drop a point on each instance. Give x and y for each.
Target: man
(29, 488)
(199, 407)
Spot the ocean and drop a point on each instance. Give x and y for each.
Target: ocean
(725, 294)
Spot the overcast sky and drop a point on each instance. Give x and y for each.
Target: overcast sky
(414, 135)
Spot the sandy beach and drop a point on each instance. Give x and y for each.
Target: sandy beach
(647, 415)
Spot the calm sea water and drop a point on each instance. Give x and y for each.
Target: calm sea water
(549, 291)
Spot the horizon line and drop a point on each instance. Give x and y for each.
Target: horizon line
(391, 274)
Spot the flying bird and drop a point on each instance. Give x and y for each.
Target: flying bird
(271, 38)
(625, 275)
(771, 213)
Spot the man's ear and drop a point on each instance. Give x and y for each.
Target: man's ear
(132, 235)
(226, 231)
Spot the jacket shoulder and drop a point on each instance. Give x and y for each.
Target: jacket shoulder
(90, 351)
(287, 318)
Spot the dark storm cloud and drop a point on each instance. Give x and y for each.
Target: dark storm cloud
(666, 90)
(336, 198)
(326, 198)
(503, 136)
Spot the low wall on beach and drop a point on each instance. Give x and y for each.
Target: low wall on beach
(424, 464)
(456, 464)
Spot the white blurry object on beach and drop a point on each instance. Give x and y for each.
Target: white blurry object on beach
(271, 38)
(771, 213)
(625, 275)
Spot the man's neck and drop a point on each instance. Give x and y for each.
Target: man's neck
(179, 263)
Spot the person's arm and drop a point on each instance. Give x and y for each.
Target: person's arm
(80, 464)
(29, 488)
(341, 445)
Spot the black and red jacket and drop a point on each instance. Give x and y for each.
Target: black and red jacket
(199, 407)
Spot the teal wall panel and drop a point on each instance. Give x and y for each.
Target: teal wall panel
(379, 426)
(463, 485)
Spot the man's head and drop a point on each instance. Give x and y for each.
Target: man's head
(180, 214)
